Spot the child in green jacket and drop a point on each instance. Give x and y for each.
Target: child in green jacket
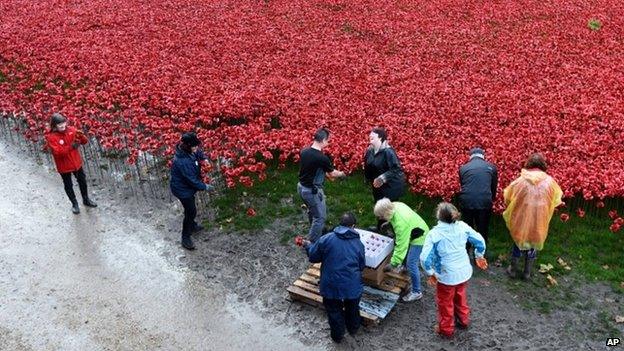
(410, 231)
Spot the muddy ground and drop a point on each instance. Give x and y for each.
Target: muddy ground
(115, 278)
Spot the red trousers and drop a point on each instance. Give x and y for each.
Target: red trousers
(452, 303)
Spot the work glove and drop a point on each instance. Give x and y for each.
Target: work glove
(481, 263)
(75, 144)
(432, 280)
(390, 268)
(210, 188)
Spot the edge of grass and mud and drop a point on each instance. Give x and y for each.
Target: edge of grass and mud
(578, 255)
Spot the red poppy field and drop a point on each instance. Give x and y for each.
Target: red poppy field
(256, 78)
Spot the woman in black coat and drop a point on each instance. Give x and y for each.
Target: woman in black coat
(382, 168)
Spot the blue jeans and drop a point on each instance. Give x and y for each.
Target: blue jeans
(413, 260)
(317, 210)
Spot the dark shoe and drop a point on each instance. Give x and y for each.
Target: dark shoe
(459, 324)
(513, 267)
(528, 268)
(75, 207)
(440, 333)
(187, 243)
(89, 203)
(198, 228)
(336, 339)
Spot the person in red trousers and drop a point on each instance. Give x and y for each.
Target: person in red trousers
(63, 141)
(445, 261)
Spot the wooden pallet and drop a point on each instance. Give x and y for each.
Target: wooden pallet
(306, 289)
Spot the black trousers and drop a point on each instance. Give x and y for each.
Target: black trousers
(190, 212)
(341, 313)
(479, 220)
(69, 186)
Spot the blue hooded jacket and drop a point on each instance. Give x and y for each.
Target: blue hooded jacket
(186, 174)
(342, 256)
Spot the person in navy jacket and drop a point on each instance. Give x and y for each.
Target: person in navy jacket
(342, 256)
(185, 181)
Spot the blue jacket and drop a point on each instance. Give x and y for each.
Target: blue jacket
(186, 174)
(342, 256)
(444, 253)
(478, 179)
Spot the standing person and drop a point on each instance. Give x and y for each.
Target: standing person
(531, 200)
(410, 231)
(478, 179)
(185, 181)
(343, 259)
(314, 166)
(382, 168)
(64, 141)
(445, 260)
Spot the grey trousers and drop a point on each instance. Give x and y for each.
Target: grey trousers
(317, 210)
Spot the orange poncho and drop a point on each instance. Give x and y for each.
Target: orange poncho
(531, 200)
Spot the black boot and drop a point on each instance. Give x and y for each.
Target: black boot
(187, 243)
(513, 267)
(75, 207)
(528, 267)
(88, 202)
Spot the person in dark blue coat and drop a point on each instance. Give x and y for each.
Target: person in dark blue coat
(478, 179)
(185, 181)
(342, 256)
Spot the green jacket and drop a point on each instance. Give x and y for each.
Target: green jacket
(403, 222)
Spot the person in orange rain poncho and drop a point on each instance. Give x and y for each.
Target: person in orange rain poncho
(531, 200)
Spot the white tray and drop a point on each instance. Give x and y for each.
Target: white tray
(377, 247)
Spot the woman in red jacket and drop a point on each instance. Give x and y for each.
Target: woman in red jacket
(64, 141)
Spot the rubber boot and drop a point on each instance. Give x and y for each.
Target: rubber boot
(513, 267)
(528, 267)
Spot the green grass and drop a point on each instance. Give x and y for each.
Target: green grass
(586, 244)
(594, 24)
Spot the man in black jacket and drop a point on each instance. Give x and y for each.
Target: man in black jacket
(478, 179)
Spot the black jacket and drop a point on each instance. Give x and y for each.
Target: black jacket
(478, 179)
(385, 162)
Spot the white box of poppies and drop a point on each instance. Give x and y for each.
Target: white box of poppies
(377, 247)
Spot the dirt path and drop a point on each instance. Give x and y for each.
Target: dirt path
(115, 278)
(106, 279)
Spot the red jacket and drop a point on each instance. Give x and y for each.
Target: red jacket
(67, 158)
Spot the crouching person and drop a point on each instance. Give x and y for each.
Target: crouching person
(445, 261)
(342, 256)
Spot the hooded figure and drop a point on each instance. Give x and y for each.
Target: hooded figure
(343, 259)
(531, 200)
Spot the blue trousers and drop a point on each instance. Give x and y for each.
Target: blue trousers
(413, 261)
(341, 313)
